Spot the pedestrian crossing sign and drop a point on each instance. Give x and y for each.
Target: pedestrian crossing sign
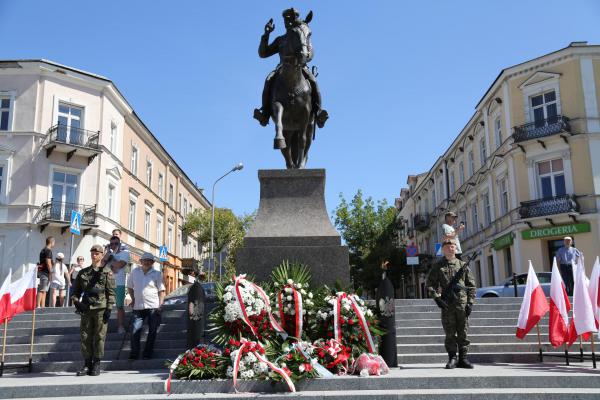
(162, 253)
(438, 250)
(75, 222)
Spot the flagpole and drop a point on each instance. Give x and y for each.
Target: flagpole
(566, 354)
(30, 366)
(3, 347)
(539, 342)
(580, 349)
(593, 353)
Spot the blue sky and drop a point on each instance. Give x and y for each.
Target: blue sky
(399, 79)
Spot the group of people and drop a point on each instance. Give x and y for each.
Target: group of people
(100, 287)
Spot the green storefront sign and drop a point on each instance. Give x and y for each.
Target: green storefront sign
(560, 230)
(503, 241)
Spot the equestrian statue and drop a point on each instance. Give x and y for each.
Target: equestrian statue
(291, 95)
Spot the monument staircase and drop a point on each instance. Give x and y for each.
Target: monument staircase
(56, 343)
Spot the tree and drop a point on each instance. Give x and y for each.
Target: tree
(229, 231)
(369, 231)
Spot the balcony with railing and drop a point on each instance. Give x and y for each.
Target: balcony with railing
(549, 206)
(72, 140)
(543, 128)
(421, 222)
(58, 213)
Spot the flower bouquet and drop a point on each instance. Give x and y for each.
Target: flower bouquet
(333, 355)
(201, 362)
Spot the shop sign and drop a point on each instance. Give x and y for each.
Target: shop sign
(503, 241)
(560, 230)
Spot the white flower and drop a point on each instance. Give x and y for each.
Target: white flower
(303, 292)
(310, 295)
(248, 374)
(289, 298)
(283, 365)
(288, 290)
(369, 313)
(250, 358)
(364, 372)
(346, 307)
(285, 348)
(301, 368)
(227, 296)
(290, 282)
(260, 368)
(298, 285)
(303, 312)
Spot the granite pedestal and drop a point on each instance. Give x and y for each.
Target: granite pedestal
(292, 224)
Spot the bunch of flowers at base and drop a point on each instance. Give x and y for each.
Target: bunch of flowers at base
(333, 355)
(201, 362)
(300, 359)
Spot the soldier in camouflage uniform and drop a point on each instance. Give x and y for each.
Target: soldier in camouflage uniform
(93, 296)
(452, 286)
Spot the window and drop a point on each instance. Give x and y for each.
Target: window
(498, 131)
(180, 241)
(471, 164)
(64, 195)
(462, 215)
(161, 183)
(474, 217)
(111, 199)
(433, 203)
(544, 108)
(171, 195)
(113, 137)
(147, 224)
(70, 121)
(149, 174)
(482, 151)
(131, 216)
(2, 169)
(180, 204)
(170, 236)
(461, 173)
(159, 230)
(487, 209)
(134, 160)
(452, 185)
(5, 111)
(551, 178)
(185, 207)
(503, 187)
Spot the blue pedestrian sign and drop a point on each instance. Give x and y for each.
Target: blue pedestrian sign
(75, 222)
(438, 250)
(162, 253)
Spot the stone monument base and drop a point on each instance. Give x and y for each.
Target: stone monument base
(292, 224)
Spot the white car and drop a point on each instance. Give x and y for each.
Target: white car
(507, 289)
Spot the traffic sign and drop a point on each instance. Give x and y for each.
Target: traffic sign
(412, 260)
(162, 253)
(412, 251)
(75, 222)
(438, 250)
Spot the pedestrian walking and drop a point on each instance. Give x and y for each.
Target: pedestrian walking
(75, 268)
(452, 286)
(94, 297)
(567, 255)
(44, 270)
(147, 290)
(449, 232)
(117, 257)
(60, 281)
(196, 317)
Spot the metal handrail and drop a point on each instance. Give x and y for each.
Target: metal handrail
(59, 211)
(547, 127)
(74, 136)
(548, 206)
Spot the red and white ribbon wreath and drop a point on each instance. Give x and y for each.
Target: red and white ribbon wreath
(238, 295)
(171, 369)
(254, 347)
(297, 308)
(337, 315)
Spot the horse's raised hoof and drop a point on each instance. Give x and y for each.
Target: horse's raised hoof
(279, 144)
(261, 116)
(322, 116)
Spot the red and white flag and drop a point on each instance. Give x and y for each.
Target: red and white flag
(583, 321)
(534, 305)
(5, 298)
(559, 309)
(594, 290)
(23, 293)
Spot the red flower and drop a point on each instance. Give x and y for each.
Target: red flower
(204, 355)
(237, 343)
(321, 353)
(350, 322)
(231, 341)
(329, 334)
(289, 356)
(227, 352)
(308, 367)
(184, 362)
(342, 321)
(201, 365)
(287, 371)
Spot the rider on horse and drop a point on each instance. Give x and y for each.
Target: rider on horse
(287, 47)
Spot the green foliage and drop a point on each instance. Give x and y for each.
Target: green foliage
(369, 231)
(297, 272)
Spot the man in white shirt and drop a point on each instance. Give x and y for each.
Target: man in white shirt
(147, 291)
(449, 232)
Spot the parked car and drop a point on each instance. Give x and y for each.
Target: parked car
(507, 289)
(179, 295)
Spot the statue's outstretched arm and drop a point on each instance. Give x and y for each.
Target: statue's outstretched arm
(265, 49)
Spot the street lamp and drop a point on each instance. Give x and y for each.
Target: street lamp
(212, 220)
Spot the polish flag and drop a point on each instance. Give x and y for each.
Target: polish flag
(559, 309)
(23, 293)
(534, 305)
(594, 290)
(583, 321)
(5, 299)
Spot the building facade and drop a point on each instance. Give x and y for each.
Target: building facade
(523, 173)
(69, 140)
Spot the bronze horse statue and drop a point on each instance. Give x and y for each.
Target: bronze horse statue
(291, 96)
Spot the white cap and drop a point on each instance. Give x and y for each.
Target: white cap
(568, 238)
(147, 256)
(60, 255)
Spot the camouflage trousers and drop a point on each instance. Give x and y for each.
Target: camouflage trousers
(93, 334)
(456, 326)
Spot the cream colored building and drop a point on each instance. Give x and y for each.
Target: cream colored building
(69, 140)
(525, 170)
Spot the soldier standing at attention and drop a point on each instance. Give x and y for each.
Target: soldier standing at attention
(452, 286)
(93, 296)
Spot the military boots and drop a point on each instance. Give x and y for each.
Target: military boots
(86, 369)
(463, 362)
(451, 364)
(95, 371)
